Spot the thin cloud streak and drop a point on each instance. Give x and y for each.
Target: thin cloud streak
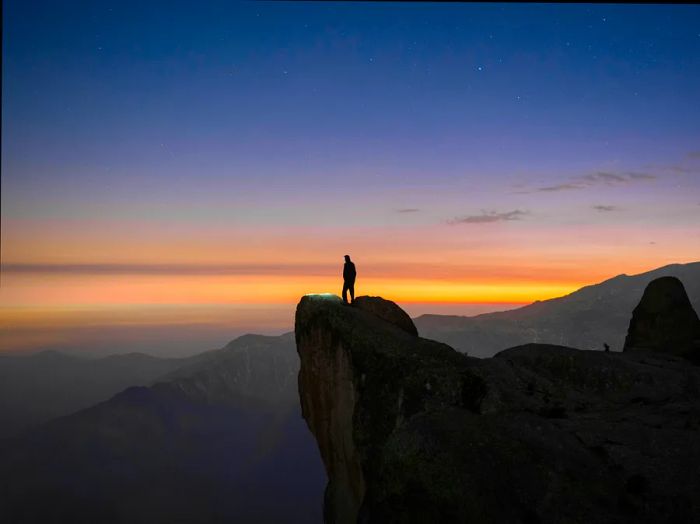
(559, 187)
(489, 217)
(605, 209)
(489, 270)
(166, 269)
(601, 178)
(681, 169)
(408, 210)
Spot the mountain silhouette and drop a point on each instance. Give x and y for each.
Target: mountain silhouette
(219, 440)
(36, 388)
(587, 319)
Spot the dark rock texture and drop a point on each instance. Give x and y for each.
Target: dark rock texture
(665, 321)
(387, 310)
(410, 430)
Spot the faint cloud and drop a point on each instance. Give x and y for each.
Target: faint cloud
(601, 178)
(488, 217)
(685, 166)
(560, 187)
(408, 210)
(641, 176)
(676, 168)
(605, 209)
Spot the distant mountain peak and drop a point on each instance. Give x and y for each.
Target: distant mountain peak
(587, 318)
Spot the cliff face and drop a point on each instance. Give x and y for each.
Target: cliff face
(410, 430)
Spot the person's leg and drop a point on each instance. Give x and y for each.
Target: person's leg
(352, 292)
(345, 292)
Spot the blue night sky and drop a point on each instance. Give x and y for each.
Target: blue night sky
(271, 95)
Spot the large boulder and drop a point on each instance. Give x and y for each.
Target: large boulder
(410, 430)
(387, 310)
(665, 321)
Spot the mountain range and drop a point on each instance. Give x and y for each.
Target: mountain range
(219, 439)
(586, 319)
(38, 387)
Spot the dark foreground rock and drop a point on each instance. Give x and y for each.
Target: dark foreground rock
(665, 321)
(410, 430)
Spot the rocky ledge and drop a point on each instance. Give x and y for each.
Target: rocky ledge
(410, 430)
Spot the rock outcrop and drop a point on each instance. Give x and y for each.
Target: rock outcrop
(665, 321)
(387, 310)
(410, 430)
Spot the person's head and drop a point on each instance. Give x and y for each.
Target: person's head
(347, 258)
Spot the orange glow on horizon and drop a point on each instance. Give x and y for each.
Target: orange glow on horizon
(132, 275)
(69, 290)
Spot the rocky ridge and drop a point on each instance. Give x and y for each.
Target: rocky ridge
(410, 430)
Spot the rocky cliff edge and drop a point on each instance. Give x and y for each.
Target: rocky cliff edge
(410, 430)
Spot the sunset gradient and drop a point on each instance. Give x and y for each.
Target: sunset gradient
(180, 164)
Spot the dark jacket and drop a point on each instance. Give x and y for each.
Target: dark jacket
(349, 272)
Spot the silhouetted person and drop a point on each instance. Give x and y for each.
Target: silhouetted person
(349, 275)
(607, 348)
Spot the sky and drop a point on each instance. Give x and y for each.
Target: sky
(174, 173)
